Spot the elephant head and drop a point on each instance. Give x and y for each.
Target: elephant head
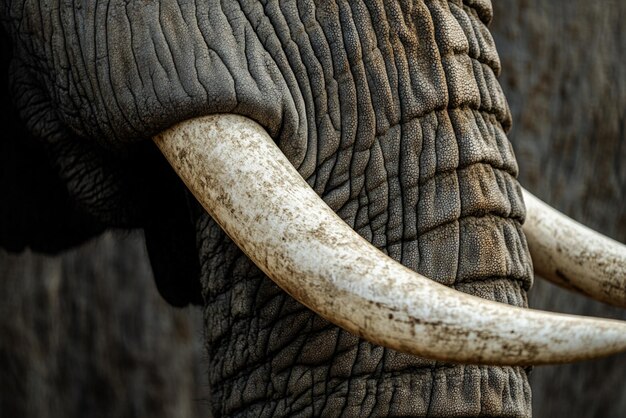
(390, 111)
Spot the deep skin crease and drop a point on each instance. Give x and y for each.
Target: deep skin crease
(390, 110)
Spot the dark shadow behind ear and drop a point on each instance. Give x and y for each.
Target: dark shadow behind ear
(174, 260)
(35, 208)
(170, 232)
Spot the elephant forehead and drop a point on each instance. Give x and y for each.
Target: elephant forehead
(119, 71)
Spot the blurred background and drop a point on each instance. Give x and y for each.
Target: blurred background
(564, 75)
(86, 334)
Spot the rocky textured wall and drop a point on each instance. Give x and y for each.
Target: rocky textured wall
(85, 334)
(564, 74)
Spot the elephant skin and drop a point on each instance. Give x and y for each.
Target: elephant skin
(391, 112)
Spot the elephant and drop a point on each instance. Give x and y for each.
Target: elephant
(370, 102)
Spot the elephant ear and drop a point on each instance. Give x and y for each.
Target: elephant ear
(43, 211)
(36, 210)
(58, 189)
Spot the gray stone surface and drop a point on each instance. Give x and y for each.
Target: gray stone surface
(85, 334)
(564, 75)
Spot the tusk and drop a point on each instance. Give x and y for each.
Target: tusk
(574, 256)
(249, 187)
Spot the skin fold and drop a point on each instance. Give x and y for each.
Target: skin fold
(390, 110)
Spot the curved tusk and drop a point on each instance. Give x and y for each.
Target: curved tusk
(574, 256)
(249, 187)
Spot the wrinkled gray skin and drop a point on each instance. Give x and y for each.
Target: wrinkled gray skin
(391, 111)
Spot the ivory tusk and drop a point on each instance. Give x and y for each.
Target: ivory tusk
(249, 187)
(574, 256)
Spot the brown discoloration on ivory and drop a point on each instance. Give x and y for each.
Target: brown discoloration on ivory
(574, 256)
(243, 180)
